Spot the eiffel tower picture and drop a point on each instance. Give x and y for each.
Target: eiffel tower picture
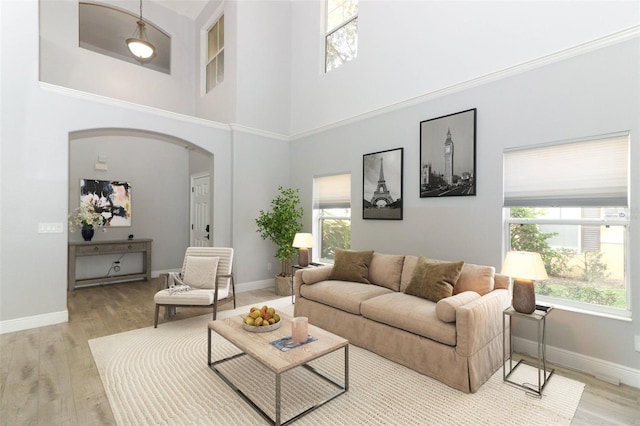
(378, 201)
(381, 194)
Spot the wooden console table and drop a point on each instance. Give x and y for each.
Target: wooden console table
(98, 248)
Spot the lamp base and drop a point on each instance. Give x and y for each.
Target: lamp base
(524, 296)
(303, 256)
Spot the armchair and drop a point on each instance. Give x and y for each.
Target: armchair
(206, 280)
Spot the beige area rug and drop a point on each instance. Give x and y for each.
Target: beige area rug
(160, 376)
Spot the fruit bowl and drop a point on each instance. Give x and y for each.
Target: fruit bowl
(262, 328)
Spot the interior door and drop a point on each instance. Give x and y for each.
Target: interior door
(201, 231)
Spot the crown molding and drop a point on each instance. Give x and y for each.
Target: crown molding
(257, 132)
(609, 40)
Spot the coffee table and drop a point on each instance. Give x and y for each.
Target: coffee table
(258, 346)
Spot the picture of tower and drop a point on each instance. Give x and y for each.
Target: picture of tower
(448, 159)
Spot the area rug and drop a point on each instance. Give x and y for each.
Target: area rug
(160, 376)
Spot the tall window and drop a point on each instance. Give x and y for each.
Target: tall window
(341, 33)
(331, 215)
(569, 202)
(215, 54)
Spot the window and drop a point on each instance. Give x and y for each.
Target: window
(569, 202)
(341, 33)
(331, 215)
(215, 55)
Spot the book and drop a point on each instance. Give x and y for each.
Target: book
(286, 344)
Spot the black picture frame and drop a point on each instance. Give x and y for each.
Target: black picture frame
(382, 184)
(448, 155)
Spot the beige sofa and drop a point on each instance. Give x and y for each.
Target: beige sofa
(457, 340)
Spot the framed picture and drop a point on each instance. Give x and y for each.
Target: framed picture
(111, 199)
(448, 155)
(382, 185)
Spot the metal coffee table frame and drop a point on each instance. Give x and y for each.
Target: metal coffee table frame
(342, 387)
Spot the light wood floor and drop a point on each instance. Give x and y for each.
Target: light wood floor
(48, 376)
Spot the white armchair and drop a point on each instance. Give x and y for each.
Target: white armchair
(206, 280)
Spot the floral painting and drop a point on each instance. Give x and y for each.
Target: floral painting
(110, 199)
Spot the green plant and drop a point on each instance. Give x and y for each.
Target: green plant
(280, 225)
(593, 268)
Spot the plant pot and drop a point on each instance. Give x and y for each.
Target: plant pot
(283, 286)
(87, 233)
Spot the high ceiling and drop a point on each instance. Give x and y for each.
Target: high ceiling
(188, 8)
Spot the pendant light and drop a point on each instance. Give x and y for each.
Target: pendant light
(139, 45)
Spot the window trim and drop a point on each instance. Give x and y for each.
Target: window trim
(328, 32)
(205, 50)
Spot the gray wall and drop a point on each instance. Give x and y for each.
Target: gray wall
(590, 94)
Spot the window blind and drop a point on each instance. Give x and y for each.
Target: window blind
(586, 173)
(332, 192)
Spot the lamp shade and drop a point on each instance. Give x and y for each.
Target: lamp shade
(303, 240)
(524, 264)
(139, 46)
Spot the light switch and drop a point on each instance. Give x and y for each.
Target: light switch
(50, 228)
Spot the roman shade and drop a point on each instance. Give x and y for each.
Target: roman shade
(590, 172)
(332, 192)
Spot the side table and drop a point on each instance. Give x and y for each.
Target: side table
(540, 317)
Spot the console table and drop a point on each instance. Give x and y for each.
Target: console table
(98, 248)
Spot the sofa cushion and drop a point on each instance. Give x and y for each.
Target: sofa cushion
(350, 265)
(409, 313)
(344, 295)
(385, 270)
(446, 308)
(476, 278)
(433, 280)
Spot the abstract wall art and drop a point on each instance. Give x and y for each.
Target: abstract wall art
(110, 199)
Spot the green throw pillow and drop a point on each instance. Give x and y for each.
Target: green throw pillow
(434, 280)
(352, 266)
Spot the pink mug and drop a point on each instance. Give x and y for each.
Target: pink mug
(299, 329)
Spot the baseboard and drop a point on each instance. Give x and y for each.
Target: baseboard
(19, 324)
(255, 285)
(601, 369)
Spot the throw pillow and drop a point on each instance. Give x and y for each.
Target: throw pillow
(446, 308)
(434, 280)
(350, 265)
(200, 272)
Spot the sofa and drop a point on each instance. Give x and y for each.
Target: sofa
(386, 304)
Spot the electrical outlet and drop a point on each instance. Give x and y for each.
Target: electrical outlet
(637, 345)
(269, 266)
(50, 228)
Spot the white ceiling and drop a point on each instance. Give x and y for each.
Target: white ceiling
(188, 8)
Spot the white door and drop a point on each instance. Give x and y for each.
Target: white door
(201, 231)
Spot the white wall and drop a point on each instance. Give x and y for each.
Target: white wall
(593, 93)
(220, 103)
(261, 164)
(66, 64)
(411, 48)
(264, 52)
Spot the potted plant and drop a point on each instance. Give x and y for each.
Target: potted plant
(280, 225)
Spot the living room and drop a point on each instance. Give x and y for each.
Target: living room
(536, 73)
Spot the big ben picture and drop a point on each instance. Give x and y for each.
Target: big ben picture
(447, 153)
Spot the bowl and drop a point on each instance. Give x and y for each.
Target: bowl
(262, 328)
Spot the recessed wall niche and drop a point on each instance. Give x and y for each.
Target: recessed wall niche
(104, 29)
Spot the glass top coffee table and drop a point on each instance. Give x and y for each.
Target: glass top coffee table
(258, 346)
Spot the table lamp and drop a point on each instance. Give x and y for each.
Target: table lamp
(524, 267)
(303, 242)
